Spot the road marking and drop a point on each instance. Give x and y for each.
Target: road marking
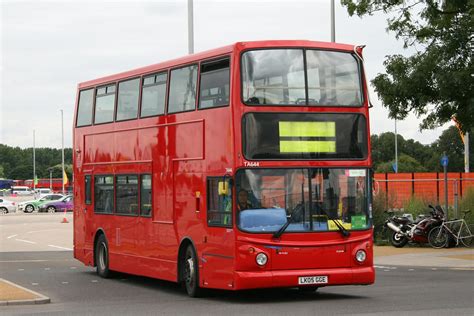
(47, 269)
(9, 237)
(94, 281)
(386, 270)
(27, 241)
(40, 231)
(21, 269)
(434, 269)
(72, 268)
(34, 283)
(59, 247)
(38, 260)
(65, 282)
(411, 269)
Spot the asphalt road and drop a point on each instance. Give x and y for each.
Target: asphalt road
(76, 289)
(35, 232)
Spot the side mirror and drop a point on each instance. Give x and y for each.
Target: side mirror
(223, 188)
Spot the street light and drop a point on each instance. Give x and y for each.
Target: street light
(34, 162)
(62, 147)
(333, 22)
(50, 169)
(396, 148)
(191, 27)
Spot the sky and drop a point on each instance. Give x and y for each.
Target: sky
(48, 47)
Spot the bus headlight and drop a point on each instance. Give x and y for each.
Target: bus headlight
(361, 256)
(261, 259)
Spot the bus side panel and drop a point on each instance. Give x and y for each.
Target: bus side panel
(218, 259)
(79, 230)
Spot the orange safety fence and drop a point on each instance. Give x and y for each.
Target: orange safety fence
(399, 188)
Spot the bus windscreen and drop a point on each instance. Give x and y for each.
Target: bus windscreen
(304, 136)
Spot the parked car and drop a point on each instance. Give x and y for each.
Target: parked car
(39, 193)
(30, 206)
(21, 190)
(65, 203)
(7, 206)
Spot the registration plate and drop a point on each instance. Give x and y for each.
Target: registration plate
(320, 279)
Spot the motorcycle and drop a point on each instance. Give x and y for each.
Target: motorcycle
(404, 229)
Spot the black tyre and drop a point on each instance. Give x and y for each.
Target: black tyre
(29, 208)
(3, 210)
(467, 235)
(191, 272)
(438, 237)
(51, 209)
(102, 257)
(398, 240)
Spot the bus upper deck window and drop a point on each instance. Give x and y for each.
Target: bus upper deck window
(214, 84)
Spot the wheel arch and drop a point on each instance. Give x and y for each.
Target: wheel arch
(185, 242)
(98, 233)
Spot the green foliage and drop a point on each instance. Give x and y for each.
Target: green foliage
(416, 157)
(417, 205)
(2, 175)
(436, 82)
(405, 164)
(17, 163)
(451, 143)
(378, 214)
(467, 203)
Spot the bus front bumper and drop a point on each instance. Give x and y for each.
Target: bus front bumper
(289, 278)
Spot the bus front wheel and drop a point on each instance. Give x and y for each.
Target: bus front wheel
(102, 257)
(191, 272)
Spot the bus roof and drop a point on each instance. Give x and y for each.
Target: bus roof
(213, 53)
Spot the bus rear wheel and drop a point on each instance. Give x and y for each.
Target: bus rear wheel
(191, 272)
(102, 257)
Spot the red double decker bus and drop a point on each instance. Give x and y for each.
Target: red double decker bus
(242, 167)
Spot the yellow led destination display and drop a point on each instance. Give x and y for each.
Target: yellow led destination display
(304, 136)
(298, 137)
(307, 146)
(307, 129)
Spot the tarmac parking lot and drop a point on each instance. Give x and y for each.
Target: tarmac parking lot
(35, 253)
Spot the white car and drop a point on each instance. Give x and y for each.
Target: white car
(7, 206)
(39, 193)
(30, 206)
(21, 190)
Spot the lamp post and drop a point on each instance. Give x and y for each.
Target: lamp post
(396, 148)
(62, 147)
(333, 22)
(191, 27)
(466, 152)
(34, 162)
(50, 169)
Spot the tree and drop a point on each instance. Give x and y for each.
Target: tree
(450, 142)
(383, 149)
(2, 175)
(436, 82)
(17, 163)
(405, 164)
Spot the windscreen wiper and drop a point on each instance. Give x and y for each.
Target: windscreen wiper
(344, 232)
(290, 220)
